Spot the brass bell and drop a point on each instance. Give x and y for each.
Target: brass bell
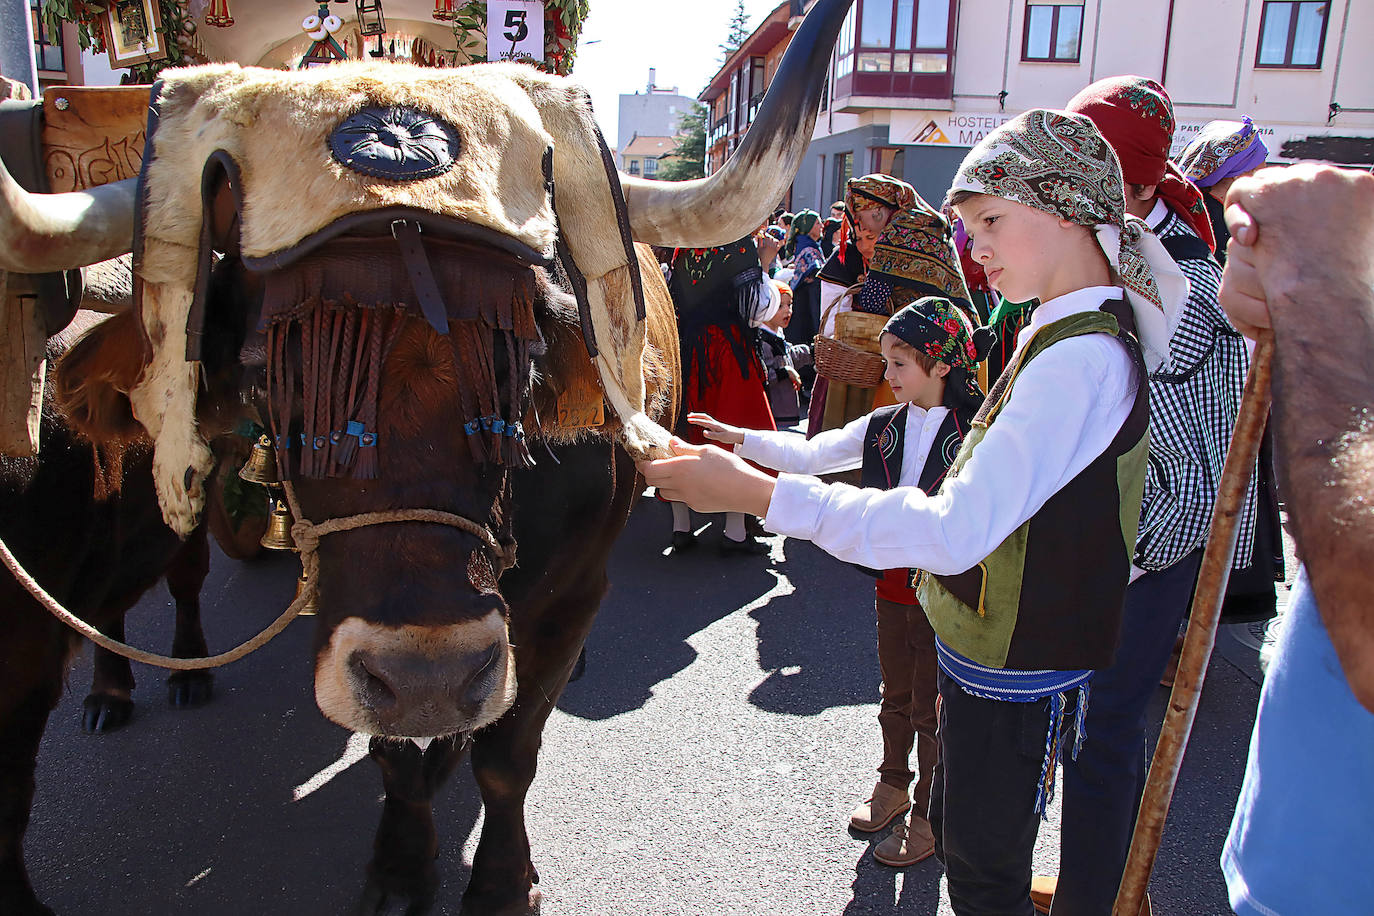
(278, 536)
(262, 464)
(311, 607)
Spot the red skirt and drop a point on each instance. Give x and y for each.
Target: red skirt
(730, 398)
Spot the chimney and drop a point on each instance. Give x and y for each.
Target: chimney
(653, 75)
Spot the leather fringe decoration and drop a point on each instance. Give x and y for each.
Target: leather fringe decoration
(331, 319)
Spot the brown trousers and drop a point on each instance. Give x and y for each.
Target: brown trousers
(906, 657)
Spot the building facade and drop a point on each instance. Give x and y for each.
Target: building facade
(735, 92)
(652, 115)
(915, 83)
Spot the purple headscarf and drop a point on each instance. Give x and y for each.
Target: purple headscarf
(1221, 150)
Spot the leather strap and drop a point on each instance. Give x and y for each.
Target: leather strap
(407, 235)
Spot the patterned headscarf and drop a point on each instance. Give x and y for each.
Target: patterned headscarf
(1136, 116)
(878, 190)
(869, 193)
(1059, 163)
(937, 327)
(913, 258)
(1221, 150)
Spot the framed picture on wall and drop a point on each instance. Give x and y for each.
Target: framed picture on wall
(133, 32)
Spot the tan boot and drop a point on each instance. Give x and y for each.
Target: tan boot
(910, 842)
(877, 811)
(1044, 886)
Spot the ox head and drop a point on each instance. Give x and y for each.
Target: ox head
(361, 255)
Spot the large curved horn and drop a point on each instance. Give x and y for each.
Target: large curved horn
(734, 201)
(40, 233)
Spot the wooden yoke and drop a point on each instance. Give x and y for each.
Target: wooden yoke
(90, 136)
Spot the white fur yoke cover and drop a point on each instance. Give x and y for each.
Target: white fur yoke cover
(276, 126)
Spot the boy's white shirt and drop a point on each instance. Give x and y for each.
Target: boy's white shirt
(842, 449)
(1067, 406)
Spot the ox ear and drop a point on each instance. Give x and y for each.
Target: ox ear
(594, 231)
(92, 381)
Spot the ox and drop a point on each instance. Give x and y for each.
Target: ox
(109, 547)
(369, 256)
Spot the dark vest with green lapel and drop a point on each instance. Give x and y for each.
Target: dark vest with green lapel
(1050, 596)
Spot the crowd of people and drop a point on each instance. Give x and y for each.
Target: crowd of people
(1064, 361)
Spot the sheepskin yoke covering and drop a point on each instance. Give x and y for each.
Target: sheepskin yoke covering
(280, 129)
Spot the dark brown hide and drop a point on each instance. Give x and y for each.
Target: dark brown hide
(95, 555)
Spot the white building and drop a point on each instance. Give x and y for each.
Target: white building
(655, 113)
(915, 83)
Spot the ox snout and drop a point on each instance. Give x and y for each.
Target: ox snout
(416, 681)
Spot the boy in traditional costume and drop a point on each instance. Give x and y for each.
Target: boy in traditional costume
(1028, 542)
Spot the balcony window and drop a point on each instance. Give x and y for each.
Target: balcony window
(47, 49)
(634, 166)
(650, 168)
(1292, 35)
(1053, 30)
(903, 48)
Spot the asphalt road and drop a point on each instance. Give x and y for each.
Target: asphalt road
(704, 765)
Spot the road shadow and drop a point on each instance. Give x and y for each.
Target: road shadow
(636, 644)
(819, 644)
(204, 811)
(875, 886)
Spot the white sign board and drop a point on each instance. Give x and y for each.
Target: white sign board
(515, 29)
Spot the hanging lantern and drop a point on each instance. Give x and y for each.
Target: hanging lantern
(217, 14)
(445, 10)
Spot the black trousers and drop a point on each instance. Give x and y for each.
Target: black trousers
(982, 803)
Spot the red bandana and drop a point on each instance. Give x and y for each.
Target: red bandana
(1137, 118)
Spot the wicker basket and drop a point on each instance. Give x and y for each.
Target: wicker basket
(853, 356)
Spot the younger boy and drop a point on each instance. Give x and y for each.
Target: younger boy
(1028, 542)
(931, 361)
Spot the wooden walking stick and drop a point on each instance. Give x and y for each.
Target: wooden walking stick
(1202, 631)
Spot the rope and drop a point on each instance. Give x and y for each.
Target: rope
(307, 537)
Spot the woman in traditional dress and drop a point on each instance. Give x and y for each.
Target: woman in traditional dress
(870, 203)
(721, 295)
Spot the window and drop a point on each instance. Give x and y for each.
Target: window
(650, 168)
(844, 170)
(634, 166)
(1053, 30)
(902, 49)
(889, 160)
(47, 50)
(1292, 35)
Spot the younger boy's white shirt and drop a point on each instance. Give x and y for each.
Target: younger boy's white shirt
(1067, 406)
(842, 449)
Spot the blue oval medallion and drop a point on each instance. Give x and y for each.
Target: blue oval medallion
(400, 144)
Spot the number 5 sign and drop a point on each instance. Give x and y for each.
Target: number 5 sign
(515, 28)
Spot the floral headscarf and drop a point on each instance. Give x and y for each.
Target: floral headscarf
(938, 328)
(1059, 163)
(1136, 116)
(878, 190)
(913, 258)
(1221, 150)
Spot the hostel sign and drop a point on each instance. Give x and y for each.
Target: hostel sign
(943, 128)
